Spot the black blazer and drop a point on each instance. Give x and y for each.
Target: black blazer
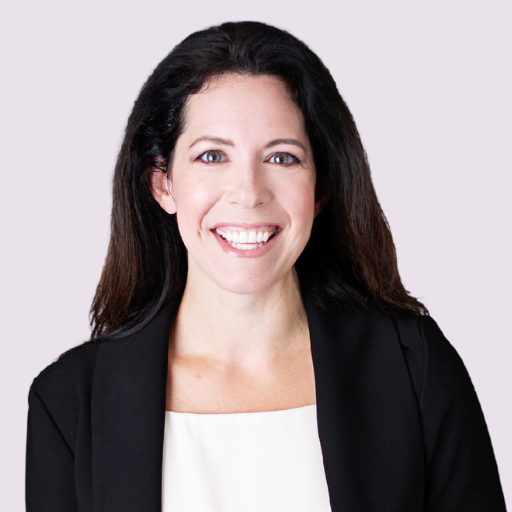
(400, 425)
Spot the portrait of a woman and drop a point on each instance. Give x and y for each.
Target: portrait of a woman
(253, 346)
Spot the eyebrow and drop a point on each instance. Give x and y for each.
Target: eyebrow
(227, 142)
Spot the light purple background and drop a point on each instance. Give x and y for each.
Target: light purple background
(429, 86)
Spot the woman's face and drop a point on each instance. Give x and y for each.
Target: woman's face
(242, 183)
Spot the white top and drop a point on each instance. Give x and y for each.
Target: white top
(251, 462)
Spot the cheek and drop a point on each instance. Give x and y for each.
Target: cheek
(299, 202)
(194, 198)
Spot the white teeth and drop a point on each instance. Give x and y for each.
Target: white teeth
(245, 247)
(246, 241)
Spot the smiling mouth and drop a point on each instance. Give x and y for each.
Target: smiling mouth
(247, 239)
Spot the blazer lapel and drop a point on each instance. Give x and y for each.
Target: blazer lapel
(128, 417)
(369, 431)
(368, 423)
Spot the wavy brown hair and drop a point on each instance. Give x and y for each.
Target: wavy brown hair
(350, 256)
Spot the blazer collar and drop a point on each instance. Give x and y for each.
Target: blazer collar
(128, 418)
(365, 414)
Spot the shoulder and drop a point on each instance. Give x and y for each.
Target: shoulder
(63, 389)
(461, 471)
(438, 376)
(421, 334)
(433, 362)
(74, 368)
(417, 342)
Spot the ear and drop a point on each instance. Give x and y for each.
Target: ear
(160, 185)
(319, 205)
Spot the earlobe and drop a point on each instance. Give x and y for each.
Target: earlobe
(319, 205)
(161, 188)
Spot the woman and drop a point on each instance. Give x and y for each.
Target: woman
(253, 347)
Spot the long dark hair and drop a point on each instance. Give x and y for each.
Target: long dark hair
(350, 255)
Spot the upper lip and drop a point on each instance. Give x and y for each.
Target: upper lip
(244, 225)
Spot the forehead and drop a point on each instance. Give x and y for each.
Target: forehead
(253, 102)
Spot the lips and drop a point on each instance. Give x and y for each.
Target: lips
(243, 226)
(236, 235)
(251, 241)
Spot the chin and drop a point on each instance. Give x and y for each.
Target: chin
(246, 286)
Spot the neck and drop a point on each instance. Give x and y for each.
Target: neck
(240, 330)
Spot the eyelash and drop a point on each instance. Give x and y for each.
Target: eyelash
(297, 161)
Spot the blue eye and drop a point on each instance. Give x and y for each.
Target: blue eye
(283, 159)
(212, 157)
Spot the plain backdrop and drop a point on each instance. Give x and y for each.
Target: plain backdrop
(429, 85)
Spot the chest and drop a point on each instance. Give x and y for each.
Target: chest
(368, 426)
(206, 386)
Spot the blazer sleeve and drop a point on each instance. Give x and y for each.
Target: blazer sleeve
(50, 471)
(461, 471)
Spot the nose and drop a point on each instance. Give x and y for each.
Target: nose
(248, 187)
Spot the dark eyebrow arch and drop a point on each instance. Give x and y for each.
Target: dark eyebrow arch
(209, 138)
(227, 142)
(293, 142)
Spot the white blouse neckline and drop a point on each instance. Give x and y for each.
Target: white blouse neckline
(252, 461)
(301, 407)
